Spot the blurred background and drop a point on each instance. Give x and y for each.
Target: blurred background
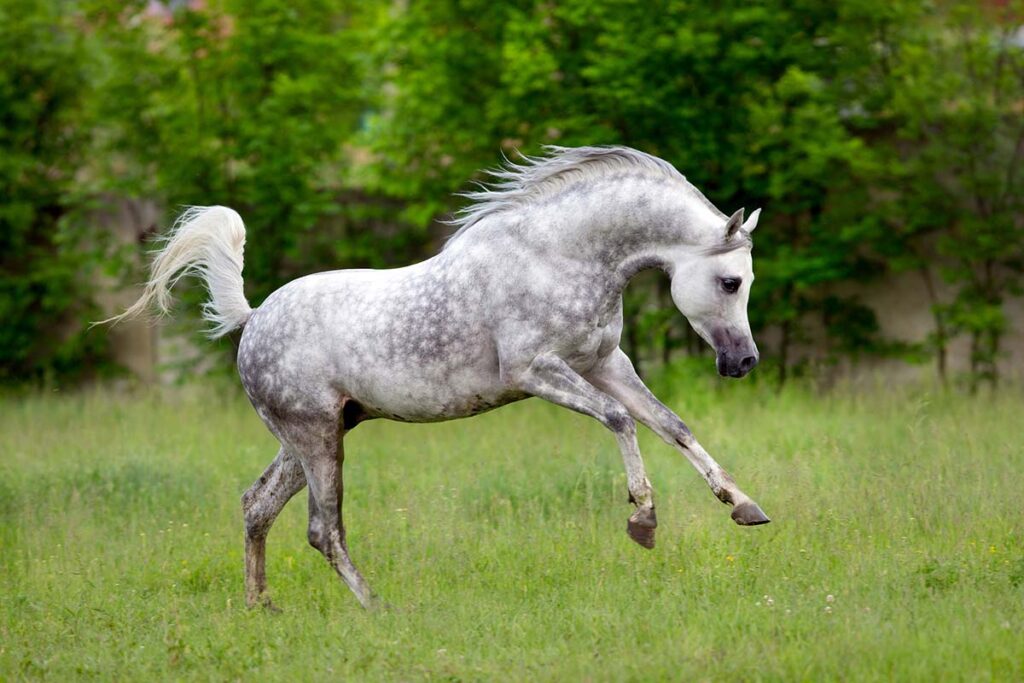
(883, 139)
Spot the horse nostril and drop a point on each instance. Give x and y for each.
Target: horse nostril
(748, 363)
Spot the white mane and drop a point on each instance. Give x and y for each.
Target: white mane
(518, 184)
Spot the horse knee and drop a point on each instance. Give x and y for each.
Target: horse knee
(249, 497)
(618, 419)
(255, 518)
(317, 536)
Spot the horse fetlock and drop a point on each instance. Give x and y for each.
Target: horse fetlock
(255, 577)
(645, 516)
(726, 495)
(724, 487)
(641, 499)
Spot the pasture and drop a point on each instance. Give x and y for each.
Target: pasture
(896, 549)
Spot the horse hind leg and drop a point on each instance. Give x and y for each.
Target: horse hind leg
(326, 527)
(314, 436)
(261, 505)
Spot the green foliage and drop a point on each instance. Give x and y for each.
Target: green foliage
(775, 105)
(879, 137)
(45, 259)
(964, 85)
(747, 101)
(947, 90)
(244, 104)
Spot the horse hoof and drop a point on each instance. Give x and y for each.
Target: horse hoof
(749, 514)
(379, 606)
(641, 527)
(643, 535)
(265, 603)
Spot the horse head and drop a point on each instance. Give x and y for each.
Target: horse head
(711, 286)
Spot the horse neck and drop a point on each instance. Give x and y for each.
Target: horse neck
(623, 225)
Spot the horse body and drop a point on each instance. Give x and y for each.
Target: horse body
(390, 341)
(525, 300)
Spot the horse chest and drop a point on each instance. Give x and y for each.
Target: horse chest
(590, 341)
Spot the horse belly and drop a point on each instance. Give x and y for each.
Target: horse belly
(426, 374)
(430, 393)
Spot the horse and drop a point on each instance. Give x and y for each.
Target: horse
(524, 299)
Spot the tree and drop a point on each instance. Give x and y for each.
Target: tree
(45, 256)
(878, 136)
(960, 98)
(742, 99)
(243, 104)
(942, 105)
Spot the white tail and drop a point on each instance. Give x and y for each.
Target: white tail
(207, 241)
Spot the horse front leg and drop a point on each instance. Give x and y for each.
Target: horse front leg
(615, 376)
(550, 378)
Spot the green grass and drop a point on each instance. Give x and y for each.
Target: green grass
(500, 542)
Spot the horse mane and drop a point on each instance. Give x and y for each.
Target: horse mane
(515, 185)
(740, 240)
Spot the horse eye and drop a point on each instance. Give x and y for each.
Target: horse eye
(731, 284)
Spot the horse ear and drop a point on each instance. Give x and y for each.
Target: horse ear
(752, 221)
(734, 223)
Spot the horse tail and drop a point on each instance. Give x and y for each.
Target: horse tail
(207, 241)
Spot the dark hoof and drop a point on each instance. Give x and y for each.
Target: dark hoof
(749, 514)
(641, 527)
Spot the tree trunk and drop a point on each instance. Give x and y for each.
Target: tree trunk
(941, 333)
(975, 352)
(784, 353)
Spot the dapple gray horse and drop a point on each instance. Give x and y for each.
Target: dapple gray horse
(524, 300)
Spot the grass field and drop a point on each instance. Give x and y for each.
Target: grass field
(896, 552)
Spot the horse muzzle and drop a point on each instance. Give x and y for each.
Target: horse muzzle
(737, 353)
(733, 365)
